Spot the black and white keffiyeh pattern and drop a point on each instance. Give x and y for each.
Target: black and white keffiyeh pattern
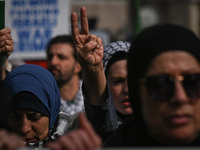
(112, 48)
(75, 105)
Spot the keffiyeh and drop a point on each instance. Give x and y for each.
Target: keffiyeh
(111, 50)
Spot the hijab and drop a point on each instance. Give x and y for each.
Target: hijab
(144, 48)
(41, 83)
(114, 52)
(147, 45)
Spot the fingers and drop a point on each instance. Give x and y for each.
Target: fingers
(5, 36)
(54, 146)
(74, 25)
(99, 42)
(87, 126)
(75, 140)
(5, 31)
(92, 37)
(84, 21)
(83, 138)
(88, 47)
(10, 141)
(6, 42)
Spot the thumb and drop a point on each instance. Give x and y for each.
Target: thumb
(88, 47)
(88, 128)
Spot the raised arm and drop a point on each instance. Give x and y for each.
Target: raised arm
(6, 48)
(100, 109)
(90, 53)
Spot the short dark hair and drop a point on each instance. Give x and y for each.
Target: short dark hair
(65, 39)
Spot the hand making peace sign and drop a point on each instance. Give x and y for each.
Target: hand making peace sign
(89, 50)
(89, 47)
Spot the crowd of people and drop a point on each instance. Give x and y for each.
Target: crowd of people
(140, 94)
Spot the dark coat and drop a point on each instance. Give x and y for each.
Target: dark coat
(132, 133)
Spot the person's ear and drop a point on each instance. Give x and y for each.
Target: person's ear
(77, 68)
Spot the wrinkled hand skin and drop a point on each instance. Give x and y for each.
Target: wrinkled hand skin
(6, 42)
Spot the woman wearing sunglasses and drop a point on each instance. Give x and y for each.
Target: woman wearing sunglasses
(164, 89)
(163, 82)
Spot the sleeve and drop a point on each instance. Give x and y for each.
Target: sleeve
(103, 117)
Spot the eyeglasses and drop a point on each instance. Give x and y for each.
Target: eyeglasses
(161, 88)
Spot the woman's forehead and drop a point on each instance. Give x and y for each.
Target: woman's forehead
(171, 62)
(25, 110)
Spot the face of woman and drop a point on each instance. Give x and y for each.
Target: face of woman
(117, 79)
(176, 120)
(33, 126)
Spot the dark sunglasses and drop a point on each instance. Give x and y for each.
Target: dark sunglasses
(161, 87)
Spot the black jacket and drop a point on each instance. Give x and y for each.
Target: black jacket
(132, 133)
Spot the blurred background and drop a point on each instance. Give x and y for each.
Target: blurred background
(34, 22)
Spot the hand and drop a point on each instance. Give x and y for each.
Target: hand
(89, 50)
(89, 47)
(84, 138)
(10, 141)
(6, 42)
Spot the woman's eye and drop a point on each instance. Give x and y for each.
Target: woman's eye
(15, 116)
(33, 117)
(118, 81)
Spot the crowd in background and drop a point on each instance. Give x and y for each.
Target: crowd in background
(140, 94)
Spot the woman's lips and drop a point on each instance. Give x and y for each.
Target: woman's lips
(179, 119)
(30, 140)
(126, 102)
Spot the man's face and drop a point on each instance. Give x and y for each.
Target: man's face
(61, 62)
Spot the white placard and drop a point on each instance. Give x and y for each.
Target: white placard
(33, 23)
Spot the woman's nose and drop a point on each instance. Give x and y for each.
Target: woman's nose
(125, 88)
(180, 95)
(26, 126)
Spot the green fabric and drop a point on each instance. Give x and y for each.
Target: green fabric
(138, 27)
(2, 8)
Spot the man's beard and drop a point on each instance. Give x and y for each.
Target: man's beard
(61, 81)
(59, 77)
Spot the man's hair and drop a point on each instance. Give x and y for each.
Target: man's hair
(64, 39)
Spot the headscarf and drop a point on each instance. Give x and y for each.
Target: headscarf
(147, 45)
(113, 52)
(38, 81)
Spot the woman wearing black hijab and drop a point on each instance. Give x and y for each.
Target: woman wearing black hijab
(163, 81)
(114, 63)
(164, 89)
